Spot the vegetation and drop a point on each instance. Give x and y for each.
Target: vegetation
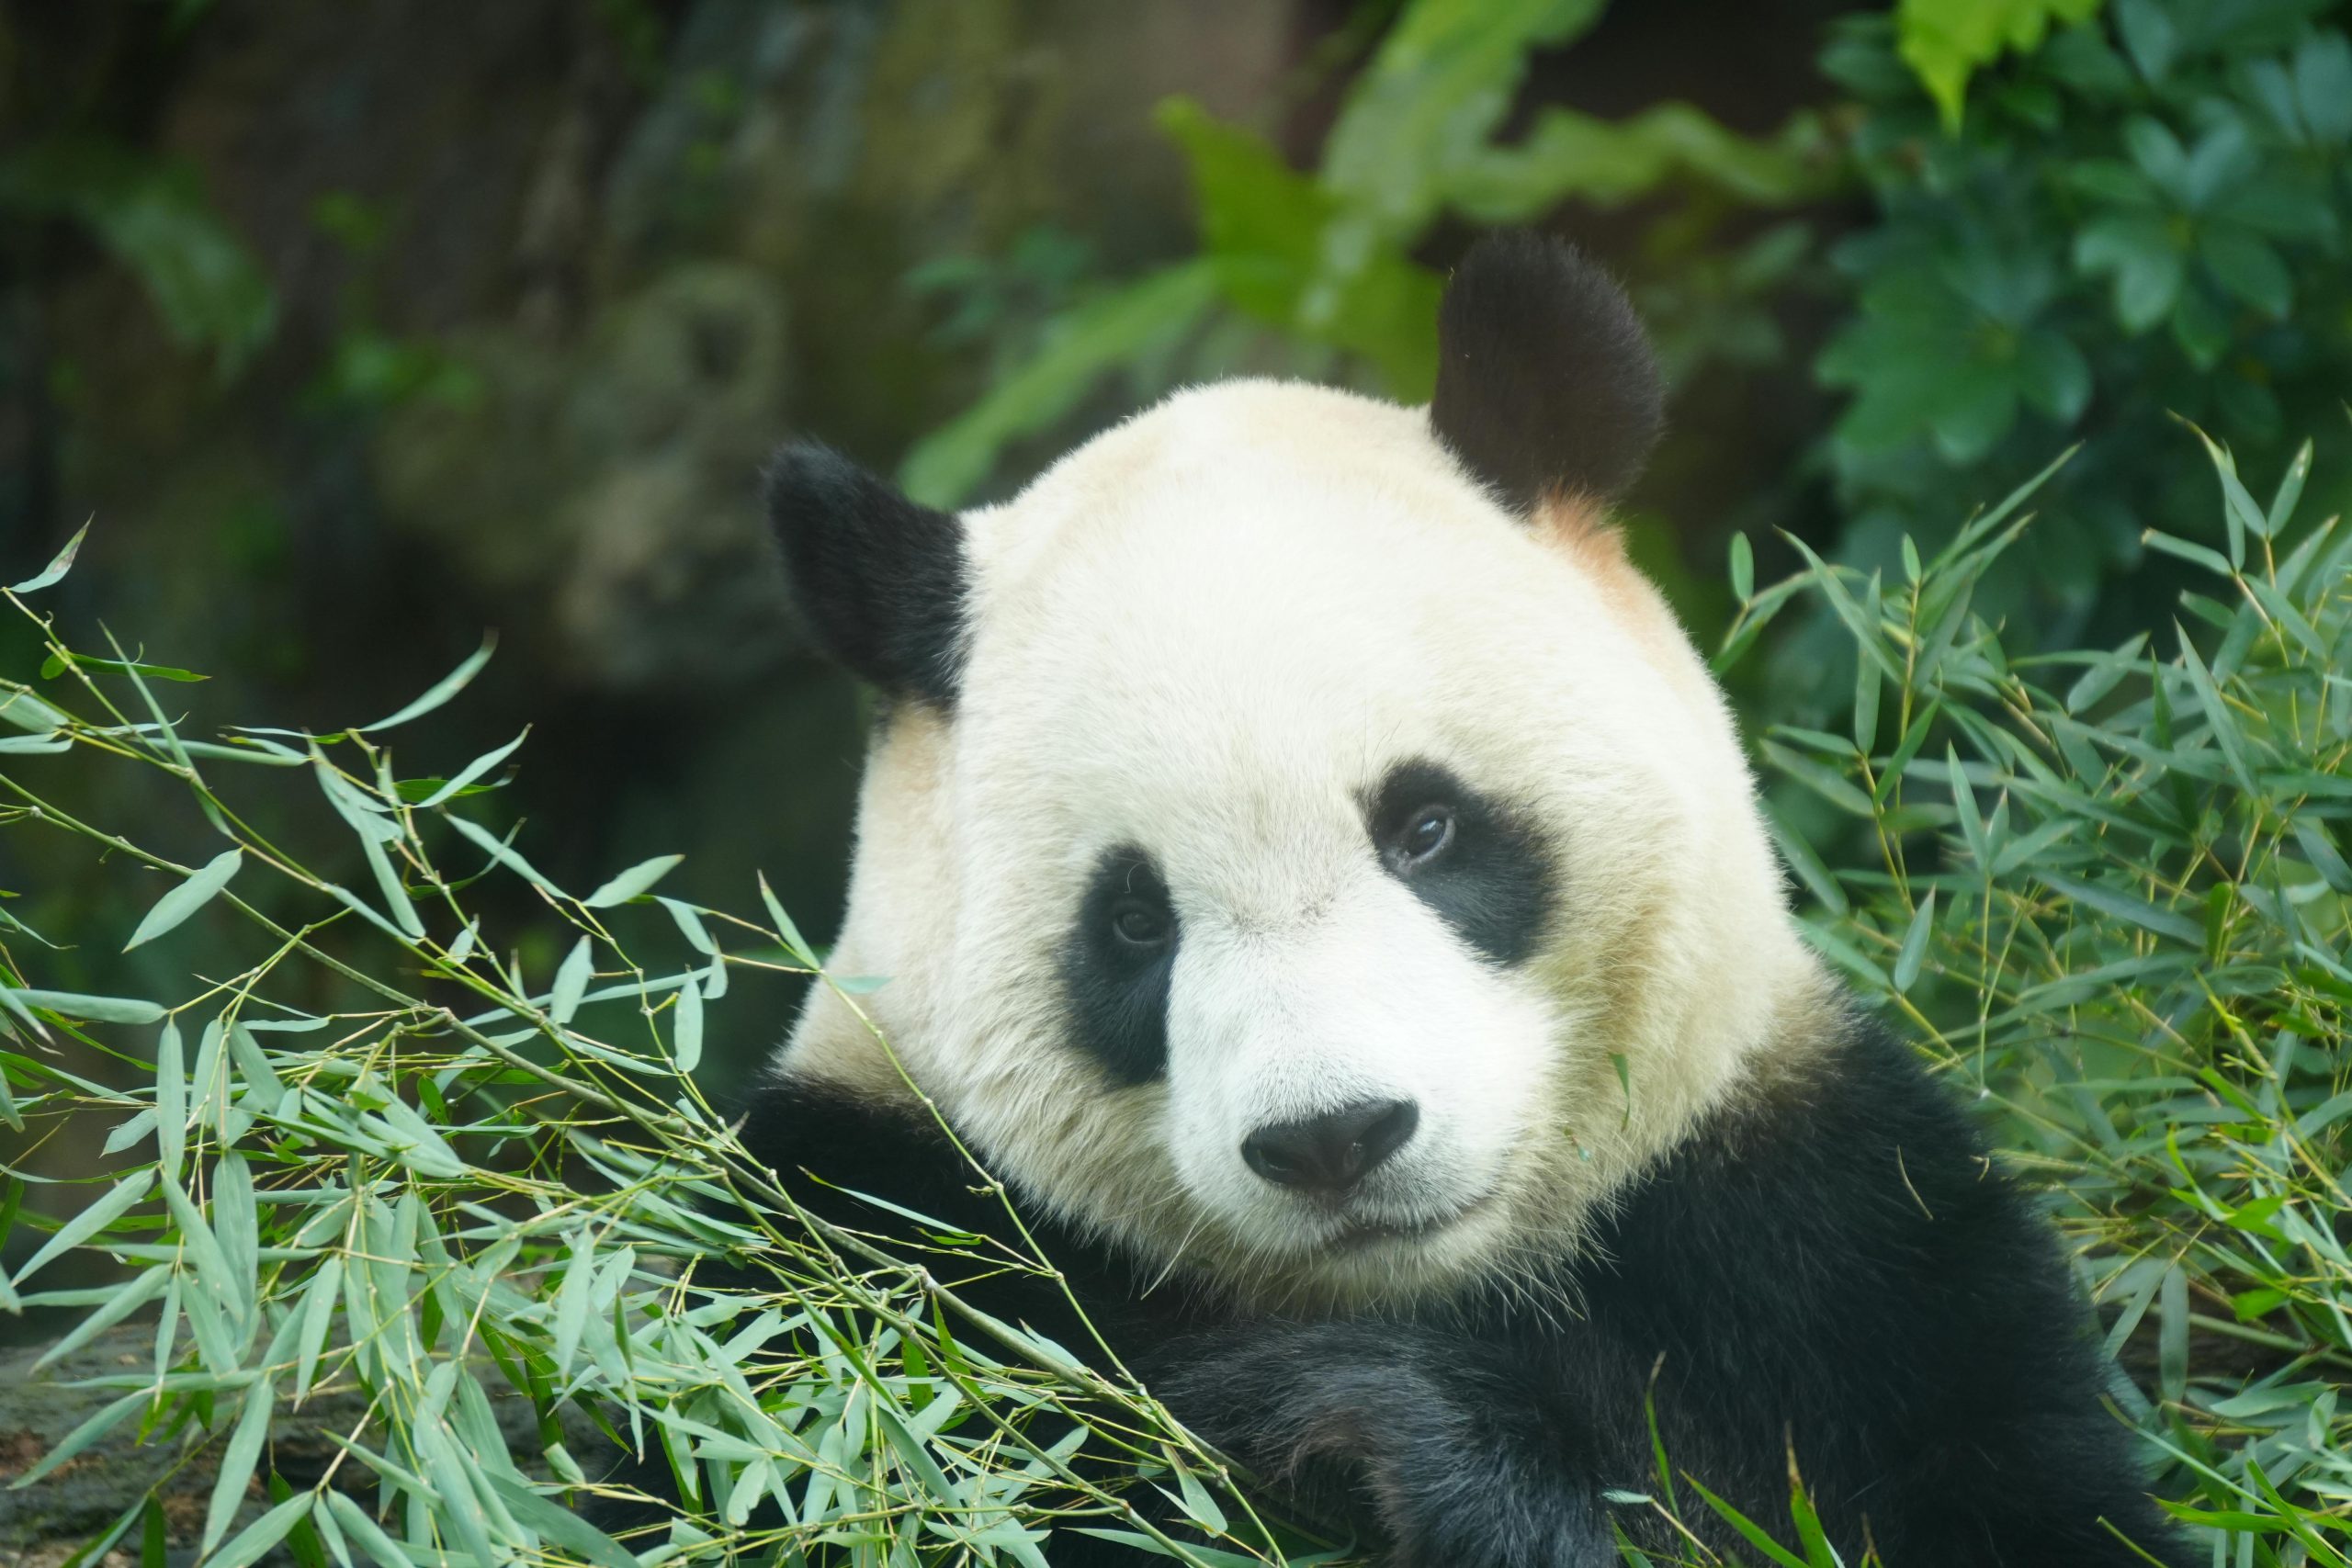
(387, 1109)
(2113, 906)
(2106, 894)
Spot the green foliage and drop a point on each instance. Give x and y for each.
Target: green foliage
(1325, 260)
(2106, 889)
(2146, 217)
(152, 219)
(383, 1156)
(1945, 41)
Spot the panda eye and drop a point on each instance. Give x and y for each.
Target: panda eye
(1428, 834)
(1138, 924)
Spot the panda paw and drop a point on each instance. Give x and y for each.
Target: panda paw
(1339, 1417)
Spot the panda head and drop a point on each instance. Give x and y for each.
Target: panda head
(1299, 845)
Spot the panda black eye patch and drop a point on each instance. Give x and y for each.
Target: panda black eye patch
(1115, 962)
(1469, 857)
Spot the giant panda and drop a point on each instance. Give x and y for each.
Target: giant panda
(1313, 871)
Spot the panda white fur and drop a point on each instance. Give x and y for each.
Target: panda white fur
(1313, 868)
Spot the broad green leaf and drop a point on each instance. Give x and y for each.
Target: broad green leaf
(1947, 41)
(199, 888)
(2140, 253)
(1430, 103)
(2248, 267)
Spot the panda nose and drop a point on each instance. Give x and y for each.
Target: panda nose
(1332, 1152)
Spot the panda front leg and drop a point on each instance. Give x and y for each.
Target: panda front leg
(1442, 1442)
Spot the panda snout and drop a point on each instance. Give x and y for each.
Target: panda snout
(1331, 1153)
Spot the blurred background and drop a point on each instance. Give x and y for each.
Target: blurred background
(362, 328)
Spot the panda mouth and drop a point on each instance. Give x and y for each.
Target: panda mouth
(1357, 1235)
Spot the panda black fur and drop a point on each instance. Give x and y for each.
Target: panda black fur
(1284, 956)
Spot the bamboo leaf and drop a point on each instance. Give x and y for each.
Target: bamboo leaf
(1799, 857)
(689, 924)
(116, 1202)
(571, 979)
(2290, 489)
(120, 1304)
(201, 887)
(686, 1029)
(2224, 724)
(317, 1311)
(633, 882)
(490, 844)
(1915, 943)
(59, 565)
(91, 1429)
(353, 1522)
(171, 1101)
(262, 1534)
(2124, 907)
(237, 1461)
(465, 777)
(793, 941)
(97, 1009)
(573, 1300)
(448, 686)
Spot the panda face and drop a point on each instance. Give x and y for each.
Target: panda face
(1302, 867)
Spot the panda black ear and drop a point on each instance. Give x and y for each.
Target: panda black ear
(879, 578)
(1546, 385)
